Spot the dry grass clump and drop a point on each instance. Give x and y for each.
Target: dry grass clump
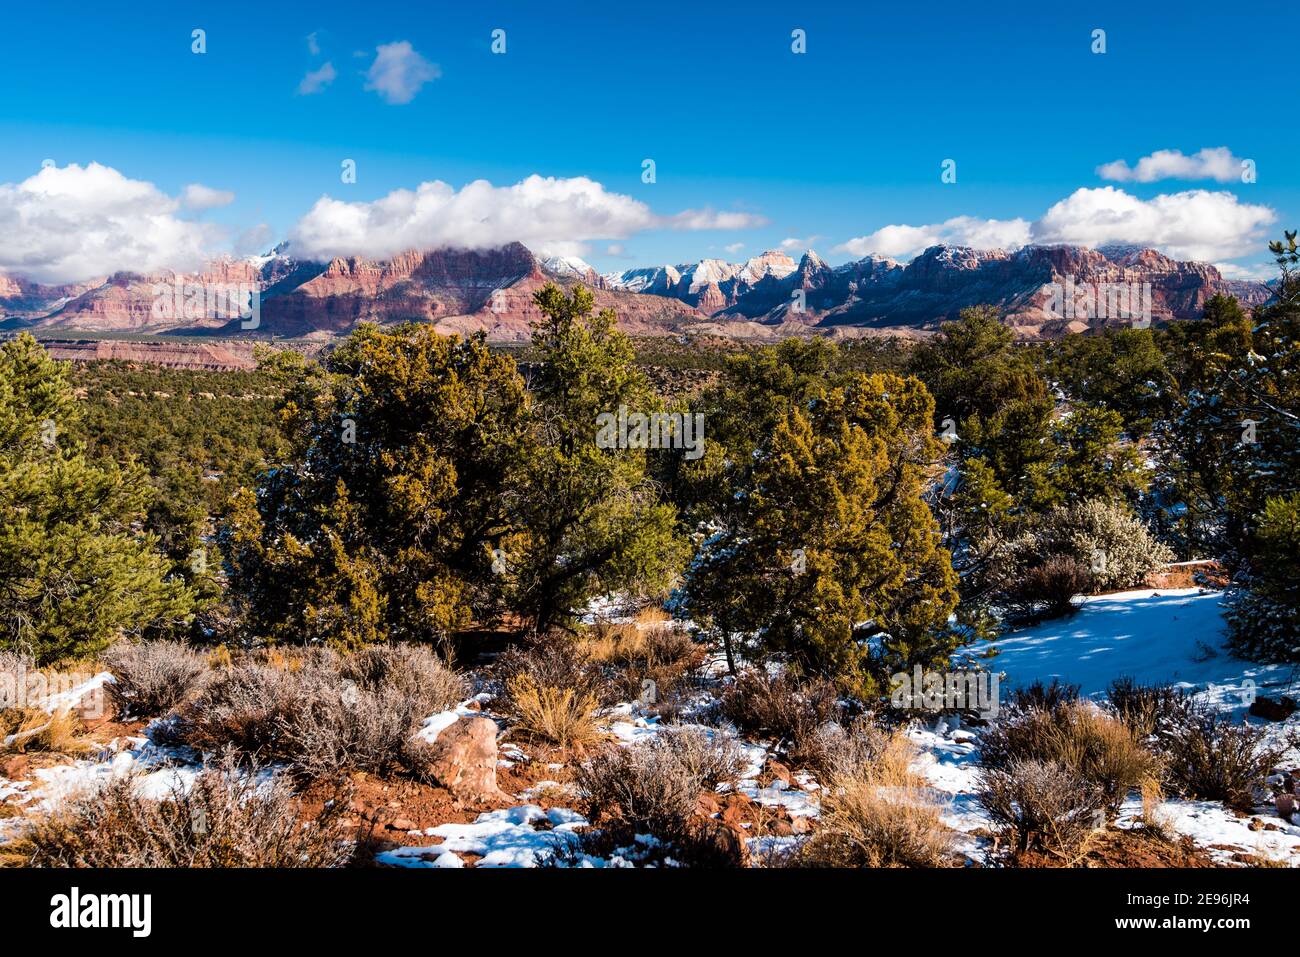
(152, 677)
(565, 717)
(1093, 746)
(229, 817)
(1043, 805)
(779, 707)
(637, 656)
(876, 811)
(25, 730)
(27, 723)
(553, 691)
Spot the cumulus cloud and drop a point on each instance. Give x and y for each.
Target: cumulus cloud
(198, 196)
(1217, 164)
(901, 241)
(72, 223)
(554, 216)
(1195, 224)
(399, 72)
(317, 80)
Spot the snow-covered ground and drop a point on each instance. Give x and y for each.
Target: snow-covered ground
(1152, 636)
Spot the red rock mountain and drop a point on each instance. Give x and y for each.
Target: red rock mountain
(770, 295)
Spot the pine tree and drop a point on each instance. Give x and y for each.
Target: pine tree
(75, 574)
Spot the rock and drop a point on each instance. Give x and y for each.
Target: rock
(707, 804)
(717, 845)
(782, 828)
(737, 809)
(403, 824)
(779, 771)
(1271, 710)
(801, 824)
(1286, 805)
(463, 759)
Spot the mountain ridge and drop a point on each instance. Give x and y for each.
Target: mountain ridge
(1042, 290)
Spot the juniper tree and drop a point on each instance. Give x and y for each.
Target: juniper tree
(829, 556)
(591, 519)
(401, 484)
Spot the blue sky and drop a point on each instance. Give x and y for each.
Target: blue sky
(832, 145)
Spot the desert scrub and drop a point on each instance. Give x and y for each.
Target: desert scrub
(633, 654)
(1090, 744)
(414, 671)
(777, 706)
(322, 713)
(1042, 805)
(1149, 709)
(151, 678)
(876, 811)
(230, 816)
(1210, 756)
(653, 788)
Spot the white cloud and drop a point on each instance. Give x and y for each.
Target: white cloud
(72, 223)
(1255, 272)
(734, 248)
(255, 240)
(1217, 164)
(710, 219)
(553, 216)
(399, 71)
(198, 196)
(903, 241)
(1195, 224)
(313, 45)
(317, 80)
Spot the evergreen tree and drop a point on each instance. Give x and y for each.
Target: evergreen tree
(399, 491)
(830, 556)
(592, 520)
(75, 574)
